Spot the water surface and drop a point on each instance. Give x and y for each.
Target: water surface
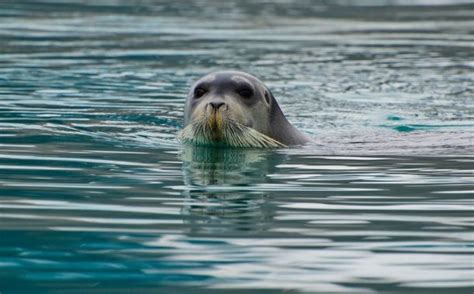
(97, 195)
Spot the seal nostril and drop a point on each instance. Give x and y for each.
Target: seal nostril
(217, 105)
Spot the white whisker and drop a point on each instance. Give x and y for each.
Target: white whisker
(234, 134)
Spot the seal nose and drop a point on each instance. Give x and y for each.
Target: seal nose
(216, 104)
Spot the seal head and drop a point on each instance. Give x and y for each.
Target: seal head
(233, 108)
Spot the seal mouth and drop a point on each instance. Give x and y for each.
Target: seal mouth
(217, 128)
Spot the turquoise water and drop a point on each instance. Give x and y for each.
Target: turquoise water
(98, 196)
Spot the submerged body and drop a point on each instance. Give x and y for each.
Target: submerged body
(236, 109)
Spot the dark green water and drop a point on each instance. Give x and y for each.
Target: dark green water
(98, 196)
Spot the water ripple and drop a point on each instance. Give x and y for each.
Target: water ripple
(98, 195)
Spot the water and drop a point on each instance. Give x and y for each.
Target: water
(98, 196)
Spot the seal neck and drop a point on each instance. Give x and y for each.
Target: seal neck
(282, 130)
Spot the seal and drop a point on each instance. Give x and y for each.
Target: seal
(233, 108)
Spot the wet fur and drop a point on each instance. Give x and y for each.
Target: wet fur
(258, 125)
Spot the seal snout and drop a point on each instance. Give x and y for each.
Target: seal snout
(215, 118)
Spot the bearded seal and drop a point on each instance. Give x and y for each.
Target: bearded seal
(236, 109)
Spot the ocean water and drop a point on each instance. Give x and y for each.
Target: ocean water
(98, 196)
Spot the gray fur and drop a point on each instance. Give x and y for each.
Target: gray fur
(260, 112)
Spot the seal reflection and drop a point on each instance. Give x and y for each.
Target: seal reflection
(222, 188)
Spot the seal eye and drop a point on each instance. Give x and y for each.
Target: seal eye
(245, 92)
(199, 92)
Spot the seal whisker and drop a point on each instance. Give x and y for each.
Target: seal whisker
(234, 134)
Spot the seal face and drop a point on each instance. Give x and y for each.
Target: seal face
(235, 109)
